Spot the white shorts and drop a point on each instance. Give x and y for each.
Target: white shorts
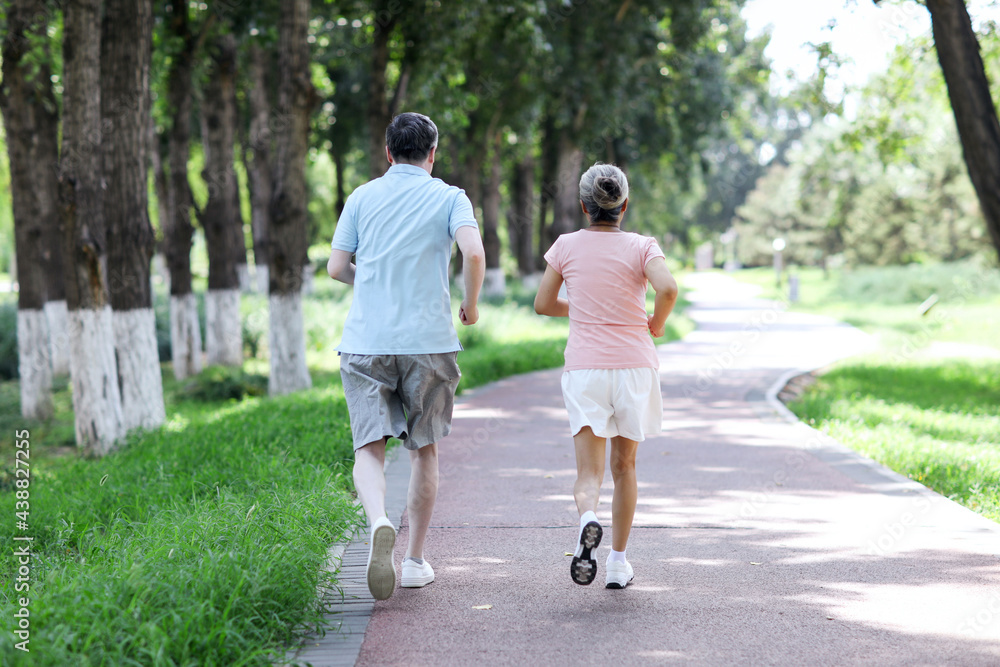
(614, 401)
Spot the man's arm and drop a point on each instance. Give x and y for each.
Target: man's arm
(666, 295)
(340, 267)
(547, 301)
(470, 244)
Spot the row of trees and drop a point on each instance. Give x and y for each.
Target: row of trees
(525, 95)
(83, 233)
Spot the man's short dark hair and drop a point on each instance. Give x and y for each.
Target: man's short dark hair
(410, 137)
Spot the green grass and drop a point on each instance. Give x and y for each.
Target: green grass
(935, 420)
(201, 543)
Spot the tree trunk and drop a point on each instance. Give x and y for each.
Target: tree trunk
(520, 221)
(96, 398)
(126, 42)
(223, 331)
(566, 214)
(975, 114)
(494, 285)
(19, 103)
(45, 163)
(338, 168)
(550, 159)
(289, 242)
(239, 238)
(185, 333)
(378, 102)
(259, 171)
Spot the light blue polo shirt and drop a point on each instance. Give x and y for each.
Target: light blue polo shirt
(401, 227)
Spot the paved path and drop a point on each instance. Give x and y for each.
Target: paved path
(757, 541)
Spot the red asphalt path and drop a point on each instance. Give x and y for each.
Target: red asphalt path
(756, 541)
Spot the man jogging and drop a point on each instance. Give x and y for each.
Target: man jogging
(399, 347)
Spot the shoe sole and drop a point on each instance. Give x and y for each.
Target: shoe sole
(617, 586)
(415, 582)
(583, 569)
(381, 573)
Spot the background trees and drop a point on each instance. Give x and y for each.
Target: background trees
(262, 116)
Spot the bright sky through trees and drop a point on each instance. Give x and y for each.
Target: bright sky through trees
(857, 29)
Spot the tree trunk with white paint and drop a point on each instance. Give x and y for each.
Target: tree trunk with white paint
(125, 51)
(223, 328)
(97, 404)
(34, 364)
(223, 233)
(58, 318)
(21, 106)
(185, 336)
(289, 240)
(96, 397)
(286, 340)
(495, 283)
(139, 368)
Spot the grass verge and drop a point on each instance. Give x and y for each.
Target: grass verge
(934, 419)
(935, 422)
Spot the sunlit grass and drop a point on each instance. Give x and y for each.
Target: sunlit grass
(935, 422)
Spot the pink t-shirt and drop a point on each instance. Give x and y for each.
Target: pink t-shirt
(606, 287)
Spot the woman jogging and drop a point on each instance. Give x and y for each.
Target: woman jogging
(611, 381)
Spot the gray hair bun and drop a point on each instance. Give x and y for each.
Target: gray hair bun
(605, 185)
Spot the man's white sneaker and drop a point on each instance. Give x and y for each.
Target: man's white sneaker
(618, 574)
(583, 569)
(416, 575)
(381, 570)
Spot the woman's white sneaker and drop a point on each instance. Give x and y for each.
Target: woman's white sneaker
(416, 575)
(381, 570)
(618, 574)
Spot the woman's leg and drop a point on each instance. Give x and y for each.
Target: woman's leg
(626, 490)
(589, 469)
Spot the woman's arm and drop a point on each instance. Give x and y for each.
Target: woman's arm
(663, 283)
(547, 301)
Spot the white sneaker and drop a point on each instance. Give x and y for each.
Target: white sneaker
(381, 569)
(416, 575)
(618, 574)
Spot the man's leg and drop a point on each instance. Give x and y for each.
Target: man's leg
(369, 479)
(422, 494)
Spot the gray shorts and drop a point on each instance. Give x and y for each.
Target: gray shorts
(405, 396)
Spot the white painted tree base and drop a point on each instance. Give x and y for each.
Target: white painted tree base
(58, 316)
(97, 403)
(138, 368)
(223, 328)
(262, 274)
(494, 283)
(287, 341)
(34, 364)
(185, 336)
(243, 271)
